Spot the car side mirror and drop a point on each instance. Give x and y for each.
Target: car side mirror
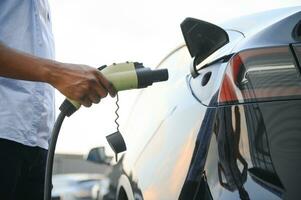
(98, 155)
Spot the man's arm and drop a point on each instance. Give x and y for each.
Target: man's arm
(78, 82)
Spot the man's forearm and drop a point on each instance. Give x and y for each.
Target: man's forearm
(19, 65)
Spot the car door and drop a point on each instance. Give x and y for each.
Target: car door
(161, 132)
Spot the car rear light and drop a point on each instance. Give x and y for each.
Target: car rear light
(258, 75)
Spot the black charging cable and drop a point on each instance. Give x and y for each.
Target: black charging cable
(67, 109)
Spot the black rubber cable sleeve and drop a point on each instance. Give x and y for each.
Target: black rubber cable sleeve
(50, 155)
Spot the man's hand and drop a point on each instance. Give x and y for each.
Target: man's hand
(81, 83)
(78, 82)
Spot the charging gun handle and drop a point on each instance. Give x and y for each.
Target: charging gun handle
(123, 76)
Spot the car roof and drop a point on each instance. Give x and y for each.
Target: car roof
(251, 24)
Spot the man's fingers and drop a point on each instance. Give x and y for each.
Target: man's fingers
(95, 98)
(85, 101)
(100, 90)
(93, 95)
(106, 84)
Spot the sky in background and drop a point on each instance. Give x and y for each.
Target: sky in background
(98, 32)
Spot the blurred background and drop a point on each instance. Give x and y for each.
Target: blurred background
(98, 32)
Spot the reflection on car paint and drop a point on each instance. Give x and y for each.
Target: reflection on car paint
(228, 150)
